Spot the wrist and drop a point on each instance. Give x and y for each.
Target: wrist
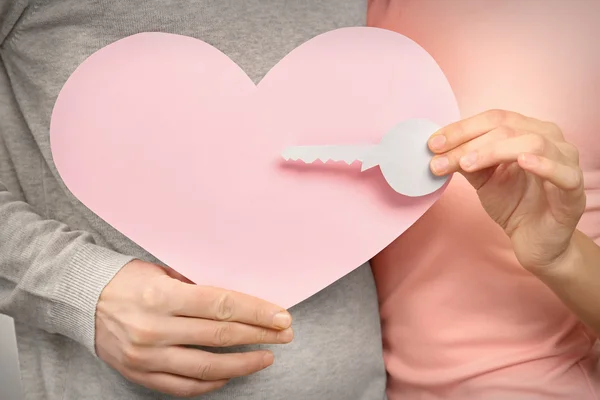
(88, 272)
(567, 266)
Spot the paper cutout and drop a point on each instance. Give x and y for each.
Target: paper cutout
(402, 155)
(171, 143)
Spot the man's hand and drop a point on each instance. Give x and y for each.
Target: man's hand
(147, 315)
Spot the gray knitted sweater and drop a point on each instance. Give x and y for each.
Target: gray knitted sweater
(56, 256)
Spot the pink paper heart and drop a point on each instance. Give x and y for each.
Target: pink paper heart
(170, 142)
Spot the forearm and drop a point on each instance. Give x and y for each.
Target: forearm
(576, 279)
(50, 276)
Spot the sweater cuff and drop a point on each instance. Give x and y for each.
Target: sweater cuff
(90, 270)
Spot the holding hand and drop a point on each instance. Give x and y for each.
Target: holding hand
(147, 315)
(526, 175)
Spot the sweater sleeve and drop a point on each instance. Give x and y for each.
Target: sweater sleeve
(50, 276)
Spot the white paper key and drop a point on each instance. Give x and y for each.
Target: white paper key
(402, 156)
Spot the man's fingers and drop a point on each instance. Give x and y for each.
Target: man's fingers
(192, 331)
(203, 365)
(174, 385)
(458, 133)
(221, 305)
(176, 275)
(213, 367)
(203, 332)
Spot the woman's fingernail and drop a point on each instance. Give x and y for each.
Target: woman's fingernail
(437, 142)
(268, 359)
(282, 320)
(530, 160)
(440, 164)
(468, 160)
(285, 335)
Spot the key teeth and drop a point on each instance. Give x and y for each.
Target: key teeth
(290, 154)
(323, 160)
(285, 155)
(342, 159)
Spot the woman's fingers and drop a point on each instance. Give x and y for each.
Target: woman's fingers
(564, 177)
(448, 163)
(201, 365)
(461, 132)
(544, 158)
(505, 151)
(177, 386)
(498, 148)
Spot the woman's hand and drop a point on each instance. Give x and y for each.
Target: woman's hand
(526, 175)
(148, 316)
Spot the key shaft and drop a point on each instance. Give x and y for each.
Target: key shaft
(402, 156)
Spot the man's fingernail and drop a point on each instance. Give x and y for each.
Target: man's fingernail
(286, 335)
(437, 142)
(268, 359)
(282, 320)
(468, 160)
(440, 164)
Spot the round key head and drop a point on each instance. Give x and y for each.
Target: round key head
(404, 158)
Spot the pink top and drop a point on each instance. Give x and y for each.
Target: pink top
(461, 319)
